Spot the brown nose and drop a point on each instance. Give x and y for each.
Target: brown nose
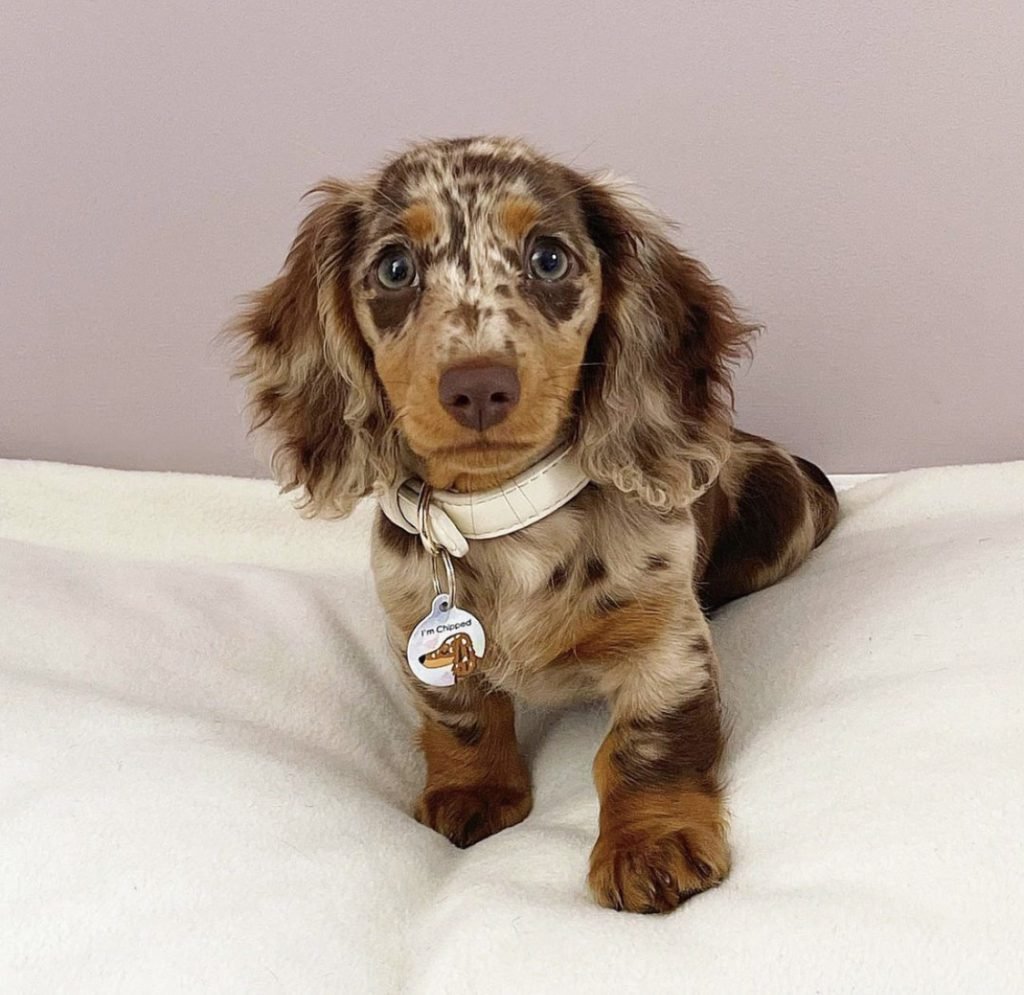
(479, 396)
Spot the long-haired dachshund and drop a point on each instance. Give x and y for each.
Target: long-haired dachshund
(446, 326)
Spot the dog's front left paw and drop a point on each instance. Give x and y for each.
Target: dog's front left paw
(467, 815)
(642, 872)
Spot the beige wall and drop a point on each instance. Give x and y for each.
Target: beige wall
(854, 171)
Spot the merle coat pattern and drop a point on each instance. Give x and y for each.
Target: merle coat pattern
(431, 265)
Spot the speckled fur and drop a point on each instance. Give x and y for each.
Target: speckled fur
(627, 359)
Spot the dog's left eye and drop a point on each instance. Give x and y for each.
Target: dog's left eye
(548, 260)
(396, 270)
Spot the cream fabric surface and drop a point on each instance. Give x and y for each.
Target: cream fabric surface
(206, 767)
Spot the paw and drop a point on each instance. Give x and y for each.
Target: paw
(641, 872)
(467, 815)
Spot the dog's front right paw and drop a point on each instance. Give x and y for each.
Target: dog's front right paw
(467, 815)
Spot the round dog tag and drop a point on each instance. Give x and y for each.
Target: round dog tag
(447, 645)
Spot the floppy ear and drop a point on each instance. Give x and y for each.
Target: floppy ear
(655, 415)
(310, 374)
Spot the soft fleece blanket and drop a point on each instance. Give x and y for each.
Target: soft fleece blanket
(206, 763)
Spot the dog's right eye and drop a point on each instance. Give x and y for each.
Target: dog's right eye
(396, 270)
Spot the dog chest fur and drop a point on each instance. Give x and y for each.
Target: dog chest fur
(568, 603)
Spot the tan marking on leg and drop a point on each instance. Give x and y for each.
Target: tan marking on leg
(629, 628)
(657, 848)
(477, 781)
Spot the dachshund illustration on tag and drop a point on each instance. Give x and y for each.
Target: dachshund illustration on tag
(455, 652)
(447, 645)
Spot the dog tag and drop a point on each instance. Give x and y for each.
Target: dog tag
(447, 645)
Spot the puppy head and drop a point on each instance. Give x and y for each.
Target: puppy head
(476, 286)
(470, 306)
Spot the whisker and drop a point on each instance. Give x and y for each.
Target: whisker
(398, 207)
(583, 151)
(570, 193)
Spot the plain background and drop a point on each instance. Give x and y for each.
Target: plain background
(854, 172)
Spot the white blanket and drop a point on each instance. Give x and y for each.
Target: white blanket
(206, 764)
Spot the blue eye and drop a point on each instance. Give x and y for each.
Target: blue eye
(396, 270)
(548, 260)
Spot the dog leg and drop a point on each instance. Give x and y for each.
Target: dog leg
(663, 824)
(477, 781)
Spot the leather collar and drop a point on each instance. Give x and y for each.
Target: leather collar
(455, 518)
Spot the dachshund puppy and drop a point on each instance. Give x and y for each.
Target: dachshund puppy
(455, 319)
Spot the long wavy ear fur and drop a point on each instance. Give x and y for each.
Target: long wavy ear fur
(309, 372)
(655, 412)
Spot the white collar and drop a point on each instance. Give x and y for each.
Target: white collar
(524, 499)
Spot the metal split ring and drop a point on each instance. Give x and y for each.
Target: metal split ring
(436, 552)
(449, 575)
(423, 518)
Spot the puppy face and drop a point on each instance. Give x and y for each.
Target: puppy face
(466, 308)
(476, 286)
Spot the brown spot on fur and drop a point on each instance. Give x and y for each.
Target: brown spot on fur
(390, 308)
(420, 221)
(458, 236)
(769, 509)
(685, 741)
(517, 216)
(512, 258)
(466, 314)
(558, 577)
(557, 300)
(594, 570)
(489, 167)
(657, 562)
(620, 628)
(503, 290)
